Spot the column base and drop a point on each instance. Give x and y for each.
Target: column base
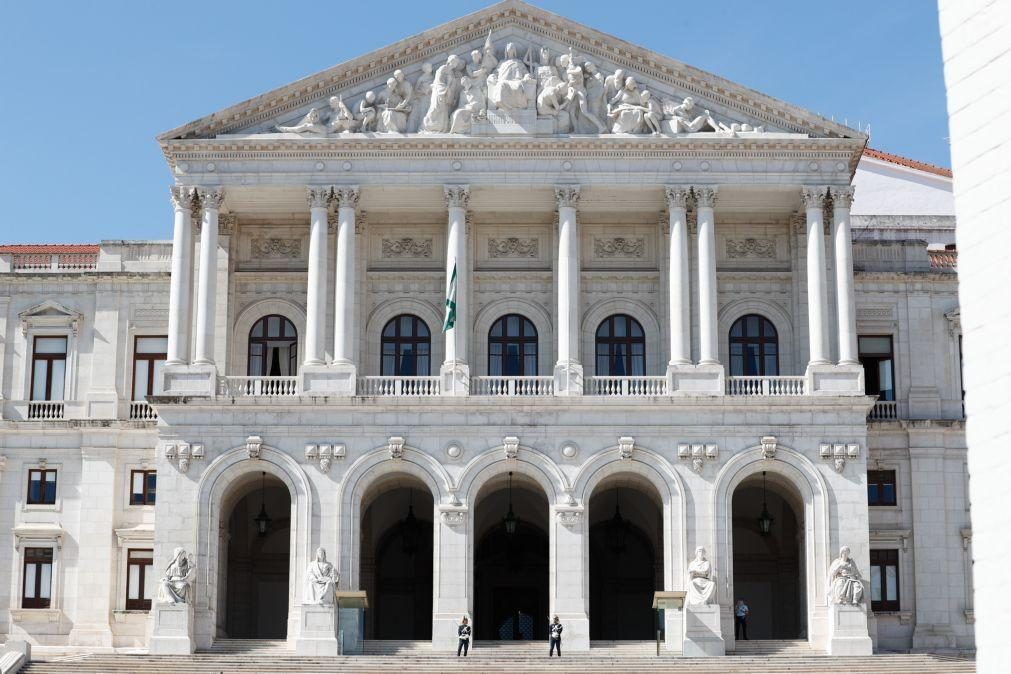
(91, 636)
(693, 380)
(834, 380)
(933, 638)
(576, 637)
(847, 630)
(703, 636)
(172, 630)
(455, 376)
(197, 379)
(317, 634)
(334, 379)
(568, 379)
(444, 630)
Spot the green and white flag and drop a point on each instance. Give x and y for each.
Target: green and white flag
(450, 301)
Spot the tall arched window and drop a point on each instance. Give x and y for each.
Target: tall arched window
(621, 347)
(512, 347)
(754, 347)
(273, 347)
(407, 348)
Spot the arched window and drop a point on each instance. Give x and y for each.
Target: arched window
(273, 347)
(407, 348)
(512, 347)
(621, 347)
(754, 347)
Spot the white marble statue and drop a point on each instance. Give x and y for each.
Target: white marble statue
(420, 98)
(311, 123)
(595, 89)
(511, 87)
(844, 580)
(473, 105)
(547, 74)
(342, 120)
(581, 120)
(320, 580)
(394, 108)
(174, 587)
(626, 110)
(551, 99)
(445, 94)
(654, 114)
(685, 119)
(368, 112)
(701, 582)
(613, 84)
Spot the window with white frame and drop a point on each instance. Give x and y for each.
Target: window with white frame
(885, 580)
(149, 355)
(37, 578)
(140, 579)
(41, 486)
(49, 368)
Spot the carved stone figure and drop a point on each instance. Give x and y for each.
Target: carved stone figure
(654, 116)
(844, 580)
(368, 112)
(320, 581)
(478, 73)
(311, 123)
(420, 98)
(546, 73)
(445, 93)
(511, 86)
(174, 587)
(342, 120)
(701, 583)
(613, 84)
(472, 106)
(581, 120)
(595, 88)
(683, 121)
(395, 108)
(551, 99)
(626, 110)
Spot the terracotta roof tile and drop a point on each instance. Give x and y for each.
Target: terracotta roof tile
(908, 163)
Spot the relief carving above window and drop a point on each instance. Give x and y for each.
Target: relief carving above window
(512, 247)
(276, 249)
(407, 247)
(619, 247)
(754, 248)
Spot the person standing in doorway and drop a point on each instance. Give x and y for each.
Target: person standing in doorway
(555, 632)
(741, 612)
(464, 632)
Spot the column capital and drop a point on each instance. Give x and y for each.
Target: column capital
(813, 196)
(346, 196)
(318, 196)
(182, 197)
(842, 197)
(211, 197)
(567, 196)
(705, 195)
(457, 196)
(677, 195)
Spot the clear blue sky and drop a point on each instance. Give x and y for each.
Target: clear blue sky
(86, 86)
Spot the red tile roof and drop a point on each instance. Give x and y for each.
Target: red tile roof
(943, 259)
(908, 163)
(49, 248)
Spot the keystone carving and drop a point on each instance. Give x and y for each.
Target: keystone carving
(396, 446)
(569, 518)
(454, 518)
(698, 453)
(625, 446)
(769, 447)
(254, 445)
(323, 455)
(837, 453)
(182, 453)
(511, 444)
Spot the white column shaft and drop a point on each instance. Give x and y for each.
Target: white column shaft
(456, 256)
(568, 285)
(344, 291)
(708, 338)
(845, 296)
(181, 285)
(315, 303)
(678, 295)
(816, 290)
(207, 288)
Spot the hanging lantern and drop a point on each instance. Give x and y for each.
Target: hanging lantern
(510, 519)
(262, 520)
(765, 520)
(617, 528)
(409, 529)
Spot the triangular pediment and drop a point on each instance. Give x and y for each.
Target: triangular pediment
(49, 314)
(526, 91)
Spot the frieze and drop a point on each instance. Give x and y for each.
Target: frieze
(275, 249)
(751, 248)
(619, 247)
(512, 247)
(407, 247)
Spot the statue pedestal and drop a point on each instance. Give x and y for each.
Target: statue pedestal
(835, 380)
(335, 379)
(568, 378)
(197, 379)
(693, 380)
(847, 630)
(172, 630)
(703, 635)
(318, 631)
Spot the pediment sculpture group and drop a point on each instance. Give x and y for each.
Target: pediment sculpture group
(454, 96)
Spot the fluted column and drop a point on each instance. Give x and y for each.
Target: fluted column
(181, 288)
(315, 304)
(568, 369)
(455, 370)
(346, 197)
(842, 199)
(207, 289)
(705, 199)
(678, 295)
(814, 202)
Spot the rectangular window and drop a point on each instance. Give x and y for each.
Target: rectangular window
(36, 587)
(49, 368)
(139, 580)
(142, 487)
(149, 355)
(879, 365)
(881, 488)
(41, 486)
(884, 580)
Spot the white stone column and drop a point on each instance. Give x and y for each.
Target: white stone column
(344, 286)
(568, 369)
(568, 573)
(705, 197)
(814, 201)
(678, 291)
(210, 202)
(455, 370)
(452, 595)
(181, 283)
(315, 304)
(842, 198)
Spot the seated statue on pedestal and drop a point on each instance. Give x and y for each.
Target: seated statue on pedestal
(511, 87)
(320, 581)
(174, 587)
(701, 583)
(845, 582)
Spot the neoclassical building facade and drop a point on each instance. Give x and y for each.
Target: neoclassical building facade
(510, 318)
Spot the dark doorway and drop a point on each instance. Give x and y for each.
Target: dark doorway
(396, 561)
(257, 582)
(769, 568)
(511, 563)
(626, 562)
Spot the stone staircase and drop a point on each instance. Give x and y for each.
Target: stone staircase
(238, 656)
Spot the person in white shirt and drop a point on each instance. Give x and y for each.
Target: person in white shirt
(555, 631)
(741, 612)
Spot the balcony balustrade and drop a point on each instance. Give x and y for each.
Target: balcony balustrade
(512, 386)
(884, 410)
(141, 410)
(46, 410)
(625, 386)
(399, 386)
(245, 387)
(766, 386)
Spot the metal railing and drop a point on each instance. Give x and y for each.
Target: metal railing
(46, 410)
(512, 386)
(884, 410)
(141, 410)
(399, 386)
(626, 386)
(765, 386)
(241, 387)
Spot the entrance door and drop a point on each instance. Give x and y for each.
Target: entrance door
(516, 612)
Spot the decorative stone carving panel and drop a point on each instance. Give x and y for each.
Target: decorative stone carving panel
(619, 247)
(407, 247)
(512, 247)
(275, 249)
(751, 248)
